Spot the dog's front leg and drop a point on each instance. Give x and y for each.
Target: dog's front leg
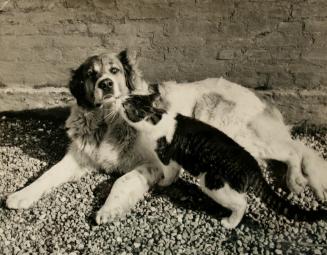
(65, 170)
(127, 191)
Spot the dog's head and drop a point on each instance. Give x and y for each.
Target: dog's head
(104, 77)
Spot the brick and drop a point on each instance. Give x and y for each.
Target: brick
(227, 54)
(280, 79)
(32, 42)
(210, 10)
(278, 39)
(314, 26)
(318, 54)
(26, 4)
(285, 53)
(258, 54)
(160, 71)
(290, 27)
(320, 40)
(95, 28)
(263, 9)
(50, 54)
(126, 29)
(307, 80)
(104, 4)
(73, 57)
(151, 11)
(149, 29)
(52, 17)
(181, 41)
(67, 41)
(18, 30)
(317, 9)
(76, 28)
(119, 42)
(154, 54)
(51, 29)
(77, 4)
(233, 29)
(257, 25)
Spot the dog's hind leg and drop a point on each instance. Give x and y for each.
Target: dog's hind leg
(127, 191)
(65, 170)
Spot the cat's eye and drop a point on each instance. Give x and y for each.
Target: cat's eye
(114, 70)
(156, 104)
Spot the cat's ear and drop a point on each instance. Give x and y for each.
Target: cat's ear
(154, 88)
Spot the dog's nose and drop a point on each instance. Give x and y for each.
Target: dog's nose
(106, 84)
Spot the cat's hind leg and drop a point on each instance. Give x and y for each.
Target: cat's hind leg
(229, 198)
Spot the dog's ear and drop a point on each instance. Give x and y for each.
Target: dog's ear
(76, 85)
(132, 74)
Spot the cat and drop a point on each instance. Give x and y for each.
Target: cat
(226, 171)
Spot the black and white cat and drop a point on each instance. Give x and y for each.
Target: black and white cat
(225, 169)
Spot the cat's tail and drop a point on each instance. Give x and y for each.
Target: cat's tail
(280, 205)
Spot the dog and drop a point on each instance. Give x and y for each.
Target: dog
(100, 138)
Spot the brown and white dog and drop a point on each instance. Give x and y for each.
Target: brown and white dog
(100, 138)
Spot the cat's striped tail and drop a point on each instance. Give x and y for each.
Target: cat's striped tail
(280, 205)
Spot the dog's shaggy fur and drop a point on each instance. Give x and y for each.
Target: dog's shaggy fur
(101, 139)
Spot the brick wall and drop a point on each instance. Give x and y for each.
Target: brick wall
(278, 44)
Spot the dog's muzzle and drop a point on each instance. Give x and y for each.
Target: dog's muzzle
(106, 84)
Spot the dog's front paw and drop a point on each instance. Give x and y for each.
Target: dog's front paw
(22, 199)
(228, 223)
(105, 215)
(296, 182)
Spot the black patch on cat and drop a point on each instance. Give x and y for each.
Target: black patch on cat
(213, 181)
(163, 151)
(156, 116)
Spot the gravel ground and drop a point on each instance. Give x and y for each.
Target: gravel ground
(175, 220)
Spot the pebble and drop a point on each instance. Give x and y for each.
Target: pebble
(168, 252)
(137, 245)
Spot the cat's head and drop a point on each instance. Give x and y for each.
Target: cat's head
(140, 111)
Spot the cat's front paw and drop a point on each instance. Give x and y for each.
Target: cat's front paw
(22, 199)
(105, 214)
(170, 174)
(228, 223)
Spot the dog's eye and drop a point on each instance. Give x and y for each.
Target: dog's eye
(114, 70)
